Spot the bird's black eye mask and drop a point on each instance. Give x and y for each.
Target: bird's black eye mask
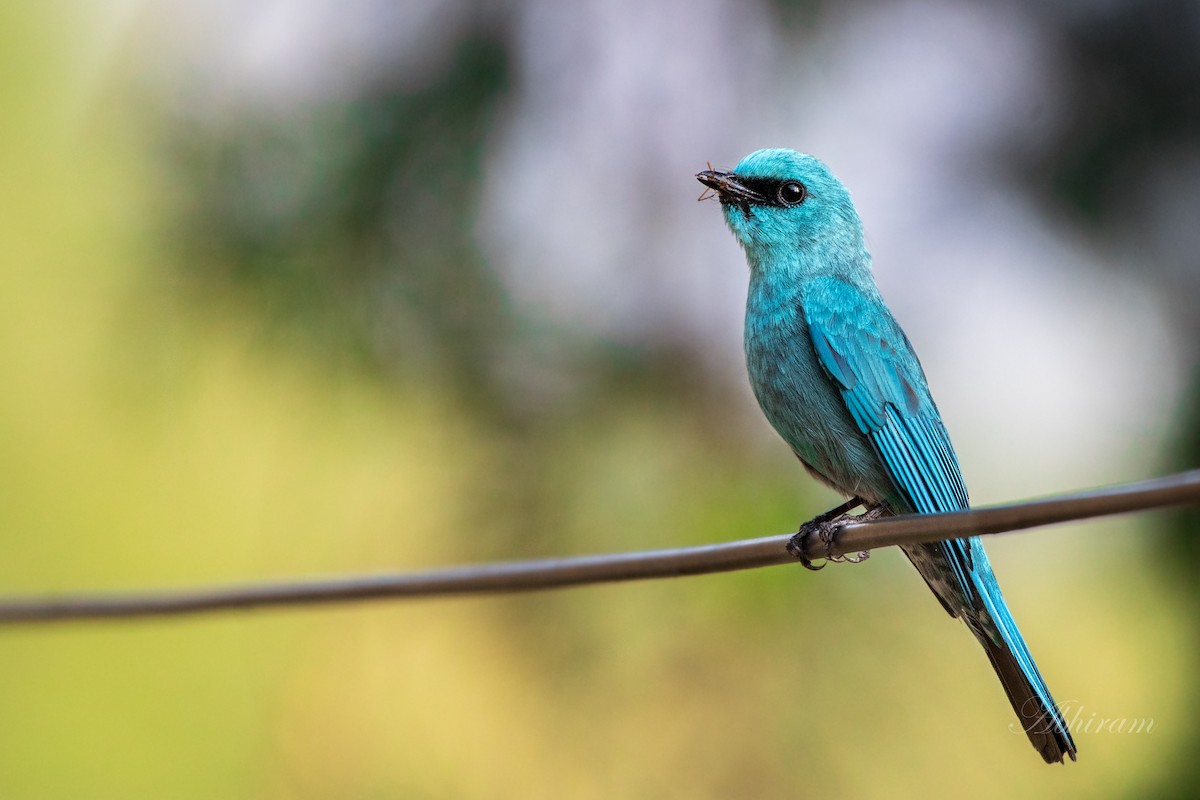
(745, 192)
(774, 192)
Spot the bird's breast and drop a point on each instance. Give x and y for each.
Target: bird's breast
(799, 399)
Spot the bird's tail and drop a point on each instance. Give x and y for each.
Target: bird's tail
(1027, 692)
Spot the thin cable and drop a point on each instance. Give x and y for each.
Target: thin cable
(554, 573)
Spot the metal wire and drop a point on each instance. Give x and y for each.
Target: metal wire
(554, 573)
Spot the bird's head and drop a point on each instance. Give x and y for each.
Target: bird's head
(779, 202)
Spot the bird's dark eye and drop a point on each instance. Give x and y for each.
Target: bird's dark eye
(792, 193)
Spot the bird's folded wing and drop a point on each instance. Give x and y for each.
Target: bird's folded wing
(864, 351)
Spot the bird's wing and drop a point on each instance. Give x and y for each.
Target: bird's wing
(864, 351)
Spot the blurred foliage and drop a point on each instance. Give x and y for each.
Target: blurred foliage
(278, 352)
(348, 226)
(1137, 91)
(350, 223)
(1137, 94)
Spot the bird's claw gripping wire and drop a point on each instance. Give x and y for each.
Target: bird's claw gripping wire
(826, 527)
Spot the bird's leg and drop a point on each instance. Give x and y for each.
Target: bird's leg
(826, 526)
(796, 546)
(872, 513)
(833, 513)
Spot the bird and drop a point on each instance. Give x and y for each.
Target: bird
(839, 381)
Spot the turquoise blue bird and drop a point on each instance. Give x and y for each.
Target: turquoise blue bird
(839, 381)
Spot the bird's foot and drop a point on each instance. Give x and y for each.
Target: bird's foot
(825, 527)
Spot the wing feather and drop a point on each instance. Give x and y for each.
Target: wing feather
(863, 349)
(865, 352)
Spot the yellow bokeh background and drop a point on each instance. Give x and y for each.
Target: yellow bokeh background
(148, 444)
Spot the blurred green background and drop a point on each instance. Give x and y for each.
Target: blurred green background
(314, 288)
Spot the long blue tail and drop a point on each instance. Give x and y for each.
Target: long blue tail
(1010, 657)
(960, 576)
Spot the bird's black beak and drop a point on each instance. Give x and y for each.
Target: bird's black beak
(729, 187)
